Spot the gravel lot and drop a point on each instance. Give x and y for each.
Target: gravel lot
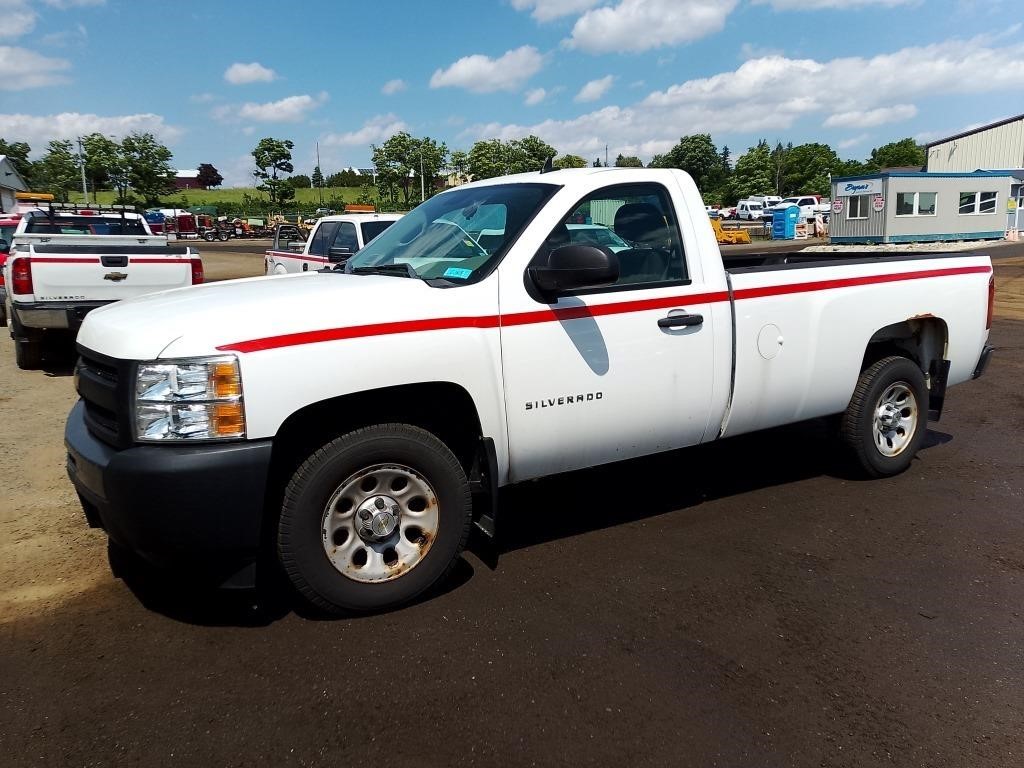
(744, 604)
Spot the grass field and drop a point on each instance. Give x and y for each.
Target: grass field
(305, 199)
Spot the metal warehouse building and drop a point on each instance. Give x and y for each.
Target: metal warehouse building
(906, 207)
(991, 147)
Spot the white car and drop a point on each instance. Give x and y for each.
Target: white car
(353, 425)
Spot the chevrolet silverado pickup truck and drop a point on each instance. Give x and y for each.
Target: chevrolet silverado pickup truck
(66, 261)
(332, 242)
(353, 425)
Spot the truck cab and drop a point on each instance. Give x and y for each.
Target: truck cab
(331, 242)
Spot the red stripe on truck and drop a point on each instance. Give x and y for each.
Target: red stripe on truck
(573, 313)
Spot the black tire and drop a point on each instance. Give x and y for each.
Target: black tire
(300, 529)
(209, 236)
(28, 354)
(858, 427)
(223, 236)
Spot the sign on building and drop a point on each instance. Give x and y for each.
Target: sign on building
(861, 187)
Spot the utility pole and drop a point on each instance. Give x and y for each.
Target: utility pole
(81, 161)
(321, 184)
(423, 183)
(605, 155)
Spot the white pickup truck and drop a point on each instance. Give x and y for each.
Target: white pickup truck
(66, 262)
(809, 205)
(333, 240)
(345, 423)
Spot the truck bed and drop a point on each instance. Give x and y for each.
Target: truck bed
(742, 263)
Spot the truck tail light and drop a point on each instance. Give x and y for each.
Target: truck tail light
(21, 275)
(197, 271)
(991, 301)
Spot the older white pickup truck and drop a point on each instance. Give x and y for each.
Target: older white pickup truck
(332, 242)
(68, 260)
(345, 422)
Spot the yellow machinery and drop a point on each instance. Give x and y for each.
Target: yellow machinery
(729, 236)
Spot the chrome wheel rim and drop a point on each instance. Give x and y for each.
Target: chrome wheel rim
(896, 416)
(380, 523)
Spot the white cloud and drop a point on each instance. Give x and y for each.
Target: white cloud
(771, 94)
(291, 109)
(202, 98)
(853, 141)
(872, 117)
(535, 97)
(19, 17)
(639, 25)
(482, 74)
(254, 72)
(801, 5)
(755, 51)
(21, 69)
(39, 129)
(546, 10)
(392, 87)
(595, 89)
(374, 130)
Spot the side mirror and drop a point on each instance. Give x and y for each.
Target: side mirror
(573, 267)
(5, 247)
(338, 255)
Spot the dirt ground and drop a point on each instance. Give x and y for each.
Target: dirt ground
(744, 604)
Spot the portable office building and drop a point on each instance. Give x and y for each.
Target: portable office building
(912, 207)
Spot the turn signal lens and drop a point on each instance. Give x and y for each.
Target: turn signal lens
(226, 381)
(228, 420)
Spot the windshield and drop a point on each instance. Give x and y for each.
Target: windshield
(84, 225)
(458, 235)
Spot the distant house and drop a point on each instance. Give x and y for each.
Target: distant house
(10, 182)
(187, 180)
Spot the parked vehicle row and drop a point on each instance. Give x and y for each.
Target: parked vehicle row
(355, 423)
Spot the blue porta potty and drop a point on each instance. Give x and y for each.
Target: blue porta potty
(784, 221)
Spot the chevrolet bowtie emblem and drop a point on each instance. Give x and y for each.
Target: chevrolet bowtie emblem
(115, 276)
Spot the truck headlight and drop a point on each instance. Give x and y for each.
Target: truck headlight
(197, 399)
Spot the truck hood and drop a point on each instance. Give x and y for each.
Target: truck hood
(197, 320)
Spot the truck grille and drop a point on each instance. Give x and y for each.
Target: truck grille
(102, 384)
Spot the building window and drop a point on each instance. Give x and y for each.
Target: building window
(977, 203)
(915, 203)
(858, 207)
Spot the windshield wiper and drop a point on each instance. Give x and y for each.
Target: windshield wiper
(399, 270)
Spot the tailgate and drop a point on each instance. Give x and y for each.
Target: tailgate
(107, 273)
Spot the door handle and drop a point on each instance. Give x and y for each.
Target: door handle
(678, 321)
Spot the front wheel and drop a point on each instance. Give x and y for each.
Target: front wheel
(887, 418)
(374, 518)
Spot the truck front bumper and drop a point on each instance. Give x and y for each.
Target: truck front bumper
(54, 314)
(199, 507)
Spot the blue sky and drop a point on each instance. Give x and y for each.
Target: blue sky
(211, 79)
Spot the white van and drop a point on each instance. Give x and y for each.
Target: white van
(749, 210)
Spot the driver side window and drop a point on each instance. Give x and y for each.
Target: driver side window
(636, 222)
(346, 237)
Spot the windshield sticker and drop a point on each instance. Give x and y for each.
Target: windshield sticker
(460, 272)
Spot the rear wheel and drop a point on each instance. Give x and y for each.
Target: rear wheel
(374, 518)
(209, 235)
(887, 418)
(223, 236)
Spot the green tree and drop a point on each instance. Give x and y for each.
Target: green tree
(57, 171)
(698, 156)
(299, 181)
(401, 160)
(753, 174)
(896, 154)
(570, 161)
(317, 179)
(807, 169)
(274, 157)
(149, 166)
(529, 154)
(495, 157)
(17, 152)
(104, 164)
(488, 159)
(458, 162)
(209, 176)
(628, 161)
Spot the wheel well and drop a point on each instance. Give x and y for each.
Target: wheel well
(922, 340)
(442, 408)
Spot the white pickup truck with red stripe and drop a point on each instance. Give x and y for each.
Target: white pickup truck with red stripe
(353, 425)
(66, 261)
